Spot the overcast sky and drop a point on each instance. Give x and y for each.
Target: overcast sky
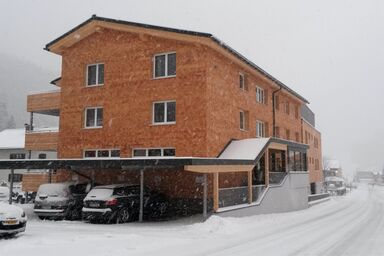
(331, 52)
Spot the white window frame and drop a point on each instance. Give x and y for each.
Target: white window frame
(242, 124)
(165, 113)
(242, 85)
(96, 153)
(97, 75)
(260, 126)
(166, 65)
(260, 96)
(95, 120)
(147, 149)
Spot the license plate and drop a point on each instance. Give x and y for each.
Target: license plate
(94, 205)
(10, 222)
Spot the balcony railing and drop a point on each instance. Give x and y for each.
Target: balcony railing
(43, 139)
(47, 103)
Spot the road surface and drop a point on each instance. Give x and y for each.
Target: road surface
(347, 225)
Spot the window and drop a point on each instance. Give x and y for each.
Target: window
(95, 74)
(42, 156)
(287, 134)
(244, 118)
(260, 129)
(260, 95)
(242, 81)
(153, 152)
(164, 112)
(164, 65)
(17, 177)
(17, 156)
(296, 112)
(316, 143)
(277, 131)
(287, 108)
(96, 153)
(297, 136)
(277, 102)
(94, 117)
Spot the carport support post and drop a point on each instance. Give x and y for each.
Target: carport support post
(141, 195)
(266, 157)
(250, 187)
(216, 191)
(11, 187)
(205, 185)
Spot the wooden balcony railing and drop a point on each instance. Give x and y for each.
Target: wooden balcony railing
(41, 140)
(47, 103)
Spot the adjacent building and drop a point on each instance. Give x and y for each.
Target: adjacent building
(12, 146)
(312, 137)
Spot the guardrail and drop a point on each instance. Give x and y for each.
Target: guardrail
(276, 177)
(315, 197)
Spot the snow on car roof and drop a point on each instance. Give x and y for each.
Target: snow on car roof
(111, 186)
(333, 178)
(247, 149)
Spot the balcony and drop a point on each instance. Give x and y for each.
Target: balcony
(47, 103)
(42, 140)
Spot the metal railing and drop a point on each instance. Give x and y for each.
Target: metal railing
(276, 177)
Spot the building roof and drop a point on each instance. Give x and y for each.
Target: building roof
(244, 149)
(251, 149)
(333, 164)
(94, 18)
(12, 139)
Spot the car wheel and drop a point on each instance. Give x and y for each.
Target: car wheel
(42, 217)
(123, 216)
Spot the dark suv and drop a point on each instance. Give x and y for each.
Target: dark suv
(121, 203)
(60, 200)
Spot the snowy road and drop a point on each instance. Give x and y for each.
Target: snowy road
(350, 225)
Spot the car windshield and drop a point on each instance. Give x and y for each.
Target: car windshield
(53, 190)
(97, 193)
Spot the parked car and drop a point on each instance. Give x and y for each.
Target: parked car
(60, 200)
(335, 185)
(4, 194)
(120, 203)
(12, 219)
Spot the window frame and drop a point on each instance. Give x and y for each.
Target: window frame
(258, 125)
(242, 85)
(95, 119)
(260, 92)
(152, 148)
(97, 75)
(165, 63)
(242, 124)
(102, 149)
(165, 122)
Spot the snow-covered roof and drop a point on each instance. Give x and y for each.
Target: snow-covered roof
(333, 164)
(247, 149)
(12, 139)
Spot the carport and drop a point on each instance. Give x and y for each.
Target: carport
(140, 166)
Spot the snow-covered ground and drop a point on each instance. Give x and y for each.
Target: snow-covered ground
(350, 225)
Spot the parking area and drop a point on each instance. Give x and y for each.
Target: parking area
(348, 225)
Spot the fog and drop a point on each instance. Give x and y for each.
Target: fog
(331, 52)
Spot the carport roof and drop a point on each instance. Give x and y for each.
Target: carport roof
(118, 164)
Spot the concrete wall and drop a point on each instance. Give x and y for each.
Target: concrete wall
(291, 195)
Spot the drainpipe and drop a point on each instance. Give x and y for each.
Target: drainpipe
(274, 111)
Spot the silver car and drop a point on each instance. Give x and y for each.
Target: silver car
(12, 220)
